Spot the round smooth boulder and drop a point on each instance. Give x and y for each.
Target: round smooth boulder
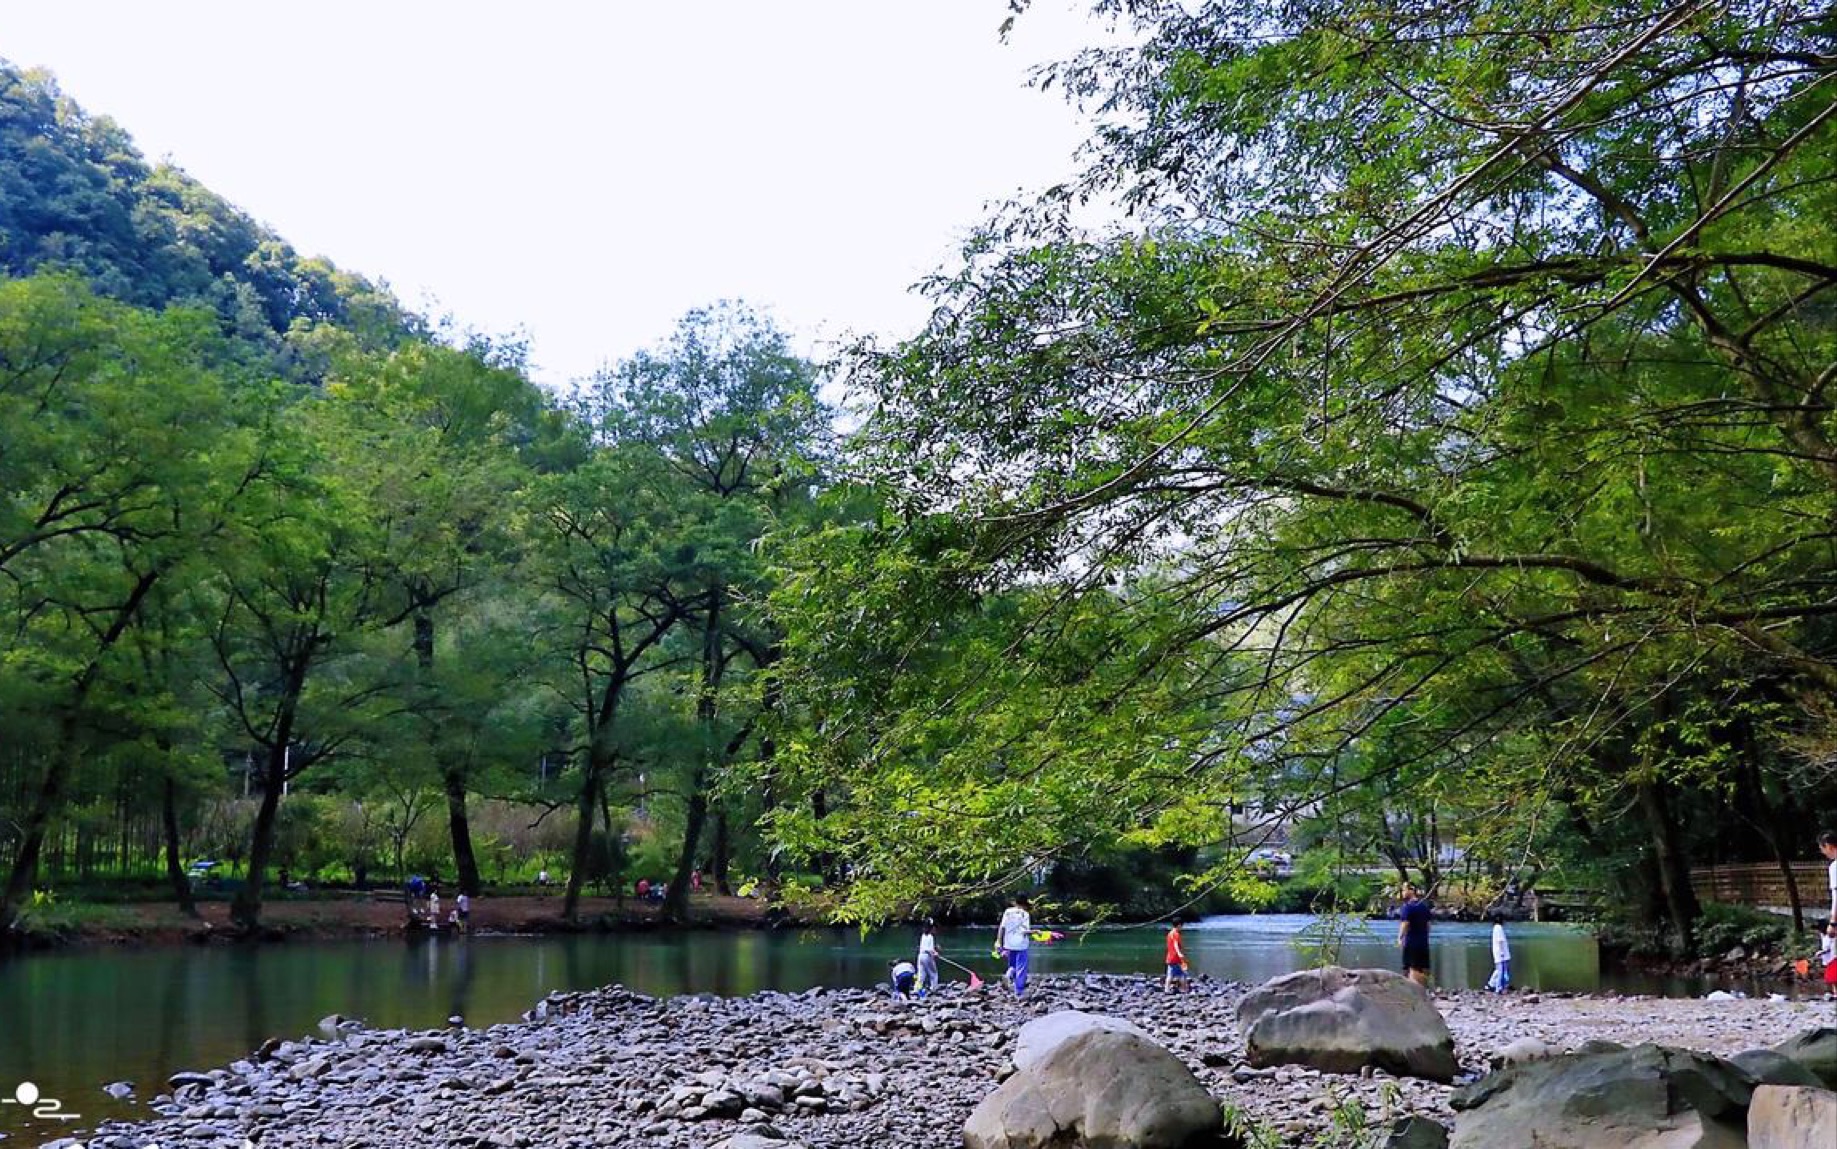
(1101, 1089)
(1341, 1020)
(1646, 1097)
(1042, 1035)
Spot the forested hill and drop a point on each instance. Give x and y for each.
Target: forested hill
(76, 194)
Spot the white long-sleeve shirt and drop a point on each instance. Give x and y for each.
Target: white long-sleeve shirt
(1502, 949)
(1016, 929)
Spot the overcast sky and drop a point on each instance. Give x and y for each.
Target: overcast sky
(586, 172)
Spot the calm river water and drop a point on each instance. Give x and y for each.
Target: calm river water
(71, 1022)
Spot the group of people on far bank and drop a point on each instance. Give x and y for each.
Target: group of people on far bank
(1413, 935)
(1014, 943)
(421, 897)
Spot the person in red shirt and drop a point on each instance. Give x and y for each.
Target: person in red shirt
(1176, 961)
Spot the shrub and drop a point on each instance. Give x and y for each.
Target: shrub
(1723, 927)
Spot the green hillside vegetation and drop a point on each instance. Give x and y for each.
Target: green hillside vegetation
(76, 196)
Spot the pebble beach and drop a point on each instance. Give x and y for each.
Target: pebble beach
(832, 1069)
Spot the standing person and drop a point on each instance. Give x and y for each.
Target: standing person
(1176, 961)
(542, 879)
(927, 959)
(464, 902)
(1827, 845)
(433, 906)
(1502, 958)
(1413, 935)
(695, 881)
(1827, 957)
(1013, 937)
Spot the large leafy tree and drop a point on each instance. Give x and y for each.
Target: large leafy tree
(120, 457)
(428, 436)
(1466, 358)
(732, 413)
(601, 545)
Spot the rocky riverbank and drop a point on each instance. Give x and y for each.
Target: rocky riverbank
(330, 915)
(833, 1069)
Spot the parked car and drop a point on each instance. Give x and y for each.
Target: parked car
(1268, 860)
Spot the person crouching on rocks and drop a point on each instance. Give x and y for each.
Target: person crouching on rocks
(904, 975)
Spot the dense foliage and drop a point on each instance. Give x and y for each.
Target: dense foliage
(1447, 440)
(1429, 469)
(286, 577)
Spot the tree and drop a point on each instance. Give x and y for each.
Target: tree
(600, 541)
(1447, 340)
(103, 502)
(431, 433)
(730, 410)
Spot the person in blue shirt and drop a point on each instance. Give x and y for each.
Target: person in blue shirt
(1413, 936)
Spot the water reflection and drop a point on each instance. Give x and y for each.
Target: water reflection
(72, 1022)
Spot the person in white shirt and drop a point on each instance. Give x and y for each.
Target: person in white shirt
(927, 959)
(1827, 845)
(1502, 958)
(1013, 938)
(465, 911)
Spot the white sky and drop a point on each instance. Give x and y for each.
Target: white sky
(586, 172)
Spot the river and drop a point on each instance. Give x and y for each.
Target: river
(72, 1021)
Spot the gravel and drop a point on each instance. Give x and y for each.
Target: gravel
(832, 1069)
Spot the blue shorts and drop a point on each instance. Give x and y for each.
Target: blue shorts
(1175, 969)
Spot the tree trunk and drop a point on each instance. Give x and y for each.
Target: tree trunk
(825, 861)
(583, 832)
(246, 907)
(721, 853)
(24, 877)
(64, 760)
(464, 860)
(676, 903)
(1670, 868)
(452, 774)
(175, 873)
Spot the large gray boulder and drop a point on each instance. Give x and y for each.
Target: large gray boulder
(1792, 1117)
(1646, 1097)
(1771, 1067)
(1341, 1020)
(1816, 1050)
(1101, 1089)
(1042, 1035)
